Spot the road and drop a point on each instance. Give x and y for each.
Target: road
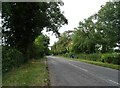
(64, 72)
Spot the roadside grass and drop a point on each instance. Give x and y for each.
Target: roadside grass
(108, 65)
(33, 73)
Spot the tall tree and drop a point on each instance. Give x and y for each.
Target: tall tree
(62, 45)
(108, 25)
(24, 21)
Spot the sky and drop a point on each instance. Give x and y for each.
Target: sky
(76, 11)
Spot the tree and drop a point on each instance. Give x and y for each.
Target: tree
(83, 37)
(108, 25)
(23, 22)
(100, 30)
(98, 33)
(40, 46)
(62, 45)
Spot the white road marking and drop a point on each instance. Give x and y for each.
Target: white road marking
(114, 82)
(79, 67)
(92, 74)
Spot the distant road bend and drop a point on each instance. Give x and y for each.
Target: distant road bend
(65, 72)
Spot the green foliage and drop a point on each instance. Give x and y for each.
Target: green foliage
(40, 47)
(108, 25)
(99, 33)
(21, 26)
(95, 37)
(68, 54)
(11, 57)
(83, 40)
(63, 45)
(23, 22)
(93, 57)
(111, 58)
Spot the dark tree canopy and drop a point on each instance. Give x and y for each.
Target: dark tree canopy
(24, 21)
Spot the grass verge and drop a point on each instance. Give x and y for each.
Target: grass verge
(113, 66)
(33, 73)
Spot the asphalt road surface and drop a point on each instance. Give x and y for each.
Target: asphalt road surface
(64, 72)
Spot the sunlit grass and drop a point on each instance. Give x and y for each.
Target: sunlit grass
(34, 73)
(113, 66)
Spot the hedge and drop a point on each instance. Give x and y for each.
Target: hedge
(113, 58)
(11, 58)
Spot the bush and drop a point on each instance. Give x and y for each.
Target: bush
(70, 54)
(67, 54)
(113, 58)
(11, 57)
(93, 57)
(106, 58)
(36, 52)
